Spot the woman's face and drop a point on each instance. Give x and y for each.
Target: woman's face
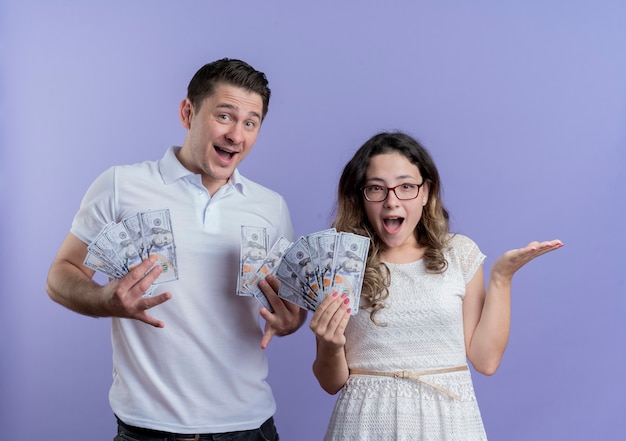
(394, 220)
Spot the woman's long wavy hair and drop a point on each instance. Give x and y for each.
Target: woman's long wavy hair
(432, 231)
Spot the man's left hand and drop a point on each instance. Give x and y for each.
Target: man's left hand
(286, 318)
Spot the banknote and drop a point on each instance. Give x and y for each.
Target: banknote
(104, 250)
(308, 269)
(119, 247)
(158, 240)
(134, 230)
(298, 258)
(269, 266)
(312, 240)
(123, 246)
(350, 257)
(254, 248)
(95, 263)
(293, 289)
(326, 254)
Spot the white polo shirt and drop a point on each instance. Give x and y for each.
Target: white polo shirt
(205, 371)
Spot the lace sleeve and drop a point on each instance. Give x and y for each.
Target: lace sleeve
(466, 254)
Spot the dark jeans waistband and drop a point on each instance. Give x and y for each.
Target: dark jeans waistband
(154, 435)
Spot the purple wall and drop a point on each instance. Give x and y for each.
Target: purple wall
(522, 104)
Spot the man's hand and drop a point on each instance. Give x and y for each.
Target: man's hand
(126, 294)
(286, 318)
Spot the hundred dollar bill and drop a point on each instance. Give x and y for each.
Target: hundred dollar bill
(123, 246)
(254, 247)
(269, 266)
(326, 254)
(158, 240)
(132, 224)
(298, 258)
(103, 249)
(351, 253)
(93, 262)
(312, 240)
(293, 289)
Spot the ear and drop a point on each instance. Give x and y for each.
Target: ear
(425, 193)
(185, 113)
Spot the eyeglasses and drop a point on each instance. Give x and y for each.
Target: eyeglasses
(404, 192)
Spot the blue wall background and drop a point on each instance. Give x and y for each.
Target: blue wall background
(522, 104)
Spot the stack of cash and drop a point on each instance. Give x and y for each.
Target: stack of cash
(120, 247)
(309, 269)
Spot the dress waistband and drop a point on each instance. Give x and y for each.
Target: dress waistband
(417, 375)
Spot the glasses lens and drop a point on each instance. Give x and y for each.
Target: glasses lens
(406, 191)
(375, 193)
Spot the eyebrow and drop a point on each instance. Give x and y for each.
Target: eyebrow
(397, 178)
(235, 108)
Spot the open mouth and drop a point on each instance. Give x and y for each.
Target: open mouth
(393, 224)
(224, 154)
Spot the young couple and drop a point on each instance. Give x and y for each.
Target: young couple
(400, 364)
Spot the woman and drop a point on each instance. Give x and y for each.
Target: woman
(401, 362)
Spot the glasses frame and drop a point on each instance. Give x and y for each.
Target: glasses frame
(419, 187)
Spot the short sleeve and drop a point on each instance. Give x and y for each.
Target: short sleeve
(96, 208)
(465, 253)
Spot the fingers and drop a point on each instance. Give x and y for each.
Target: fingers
(286, 318)
(147, 318)
(270, 286)
(536, 249)
(331, 318)
(511, 261)
(145, 304)
(267, 336)
(273, 282)
(142, 275)
(127, 293)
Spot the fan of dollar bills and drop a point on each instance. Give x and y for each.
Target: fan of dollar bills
(309, 268)
(119, 247)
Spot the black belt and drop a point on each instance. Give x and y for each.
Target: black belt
(151, 434)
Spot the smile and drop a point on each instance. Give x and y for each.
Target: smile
(226, 154)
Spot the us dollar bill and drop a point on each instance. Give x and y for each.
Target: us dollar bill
(293, 289)
(104, 250)
(312, 241)
(132, 224)
(123, 246)
(93, 262)
(269, 264)
(326, 244)
(298, 257)
(158, 240)
(268, 267)
(254, 248)
(349, 266)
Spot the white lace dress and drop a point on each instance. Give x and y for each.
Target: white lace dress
(424, 331)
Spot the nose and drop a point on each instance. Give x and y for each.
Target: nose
(235, 134)
(391, 200)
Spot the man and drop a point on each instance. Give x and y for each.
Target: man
(204, 372)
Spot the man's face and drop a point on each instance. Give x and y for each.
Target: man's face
(221, 132)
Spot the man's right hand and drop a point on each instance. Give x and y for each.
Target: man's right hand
(70, 284)
(126, 294)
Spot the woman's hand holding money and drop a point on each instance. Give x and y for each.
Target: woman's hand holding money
(330, 320)
(329, 324)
